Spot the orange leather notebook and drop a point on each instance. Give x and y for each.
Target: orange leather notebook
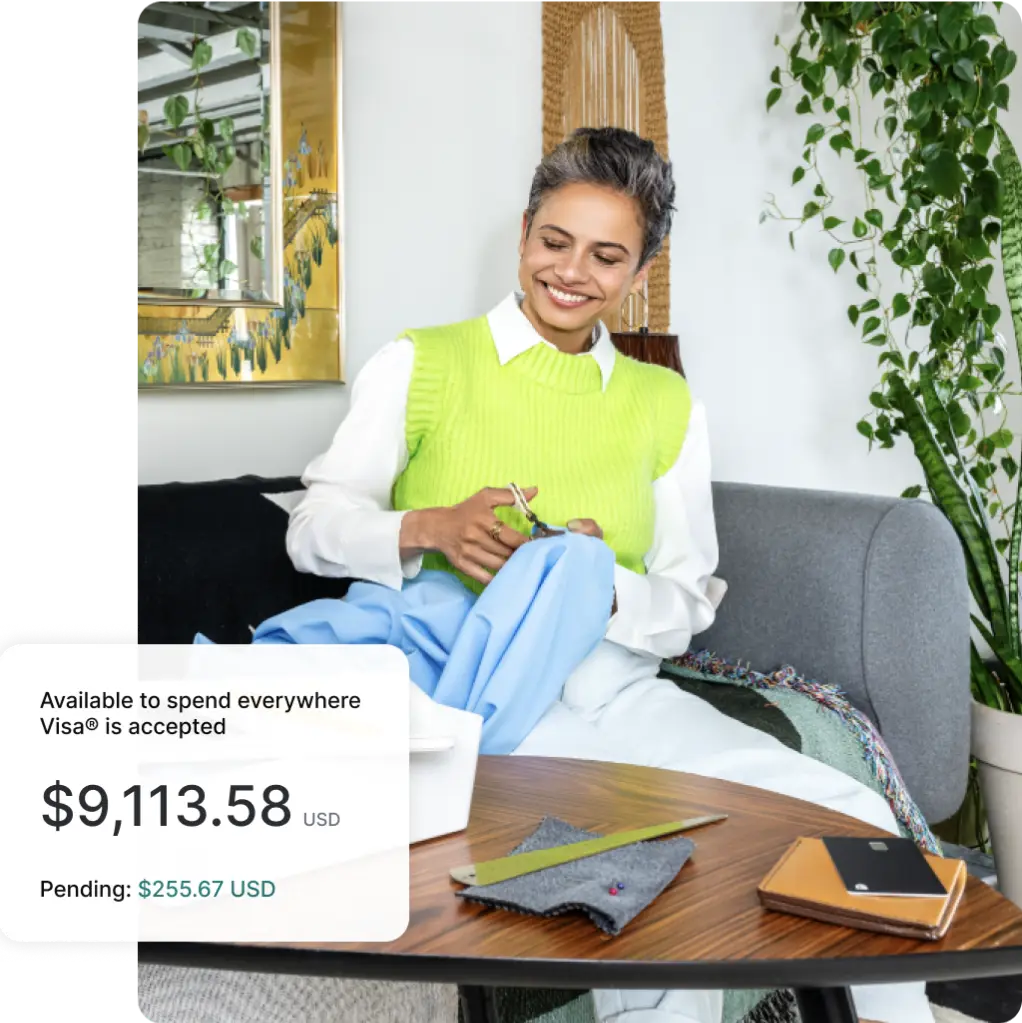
(806, 883)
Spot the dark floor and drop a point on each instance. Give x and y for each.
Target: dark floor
(997, 1000)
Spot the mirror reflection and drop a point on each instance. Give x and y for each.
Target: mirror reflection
(204, 153)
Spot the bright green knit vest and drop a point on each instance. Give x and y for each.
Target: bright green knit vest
(540, 420)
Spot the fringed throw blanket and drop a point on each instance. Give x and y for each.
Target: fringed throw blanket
(881, 772)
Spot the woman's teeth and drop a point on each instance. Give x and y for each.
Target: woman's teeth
(563, 296)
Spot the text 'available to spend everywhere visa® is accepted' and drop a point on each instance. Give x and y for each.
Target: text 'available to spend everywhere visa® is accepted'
(145, 773)
(83, 700)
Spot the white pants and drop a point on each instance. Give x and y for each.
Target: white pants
(614, 708)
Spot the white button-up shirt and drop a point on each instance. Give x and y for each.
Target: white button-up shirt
(345, 525)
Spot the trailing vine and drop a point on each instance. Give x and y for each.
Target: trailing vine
(910, 93)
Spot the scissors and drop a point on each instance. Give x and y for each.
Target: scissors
(539, 528)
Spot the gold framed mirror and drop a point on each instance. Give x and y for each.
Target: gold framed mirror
(240, 182)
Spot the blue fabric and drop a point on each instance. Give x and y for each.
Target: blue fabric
(504, 655)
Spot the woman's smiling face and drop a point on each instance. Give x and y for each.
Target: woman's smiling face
(579, 261)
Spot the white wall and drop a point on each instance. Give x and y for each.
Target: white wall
(764, 332)
(442, 111)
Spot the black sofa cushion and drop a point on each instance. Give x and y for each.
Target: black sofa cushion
(211, 559)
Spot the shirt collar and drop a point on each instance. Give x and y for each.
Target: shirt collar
(513, 334)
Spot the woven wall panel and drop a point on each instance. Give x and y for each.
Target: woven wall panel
(603, 65)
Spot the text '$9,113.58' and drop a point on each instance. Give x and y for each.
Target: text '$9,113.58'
(94, 803)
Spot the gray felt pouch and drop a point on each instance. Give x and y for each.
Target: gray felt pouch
(639, 872)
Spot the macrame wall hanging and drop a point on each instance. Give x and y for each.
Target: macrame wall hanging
(603, 65)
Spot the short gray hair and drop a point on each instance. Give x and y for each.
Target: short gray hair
(618, 159)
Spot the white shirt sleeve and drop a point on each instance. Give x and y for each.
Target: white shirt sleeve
(659, 613)
(345, 525)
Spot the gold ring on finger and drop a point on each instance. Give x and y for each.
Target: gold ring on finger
(495, 529)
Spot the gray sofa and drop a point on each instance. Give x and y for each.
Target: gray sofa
(868, 593)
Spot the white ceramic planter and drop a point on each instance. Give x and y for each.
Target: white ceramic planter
(997, 747)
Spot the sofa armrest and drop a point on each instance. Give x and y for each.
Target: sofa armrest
(868, 593)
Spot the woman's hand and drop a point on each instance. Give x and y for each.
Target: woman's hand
(587, 526)
(468, 534)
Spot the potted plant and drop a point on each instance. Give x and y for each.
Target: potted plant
(911, 93)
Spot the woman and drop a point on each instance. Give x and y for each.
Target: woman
(535, 392)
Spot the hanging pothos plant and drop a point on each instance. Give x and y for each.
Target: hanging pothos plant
(910, 94)
(207, 146)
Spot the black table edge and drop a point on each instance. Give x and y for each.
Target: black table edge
(585, 975)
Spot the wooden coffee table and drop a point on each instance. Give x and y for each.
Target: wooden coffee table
(706, 930)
